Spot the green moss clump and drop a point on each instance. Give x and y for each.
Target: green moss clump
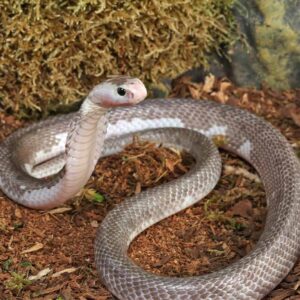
(53, 52)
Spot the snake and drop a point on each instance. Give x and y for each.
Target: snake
(48, 162)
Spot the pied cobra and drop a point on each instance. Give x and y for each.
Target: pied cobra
(46, 163)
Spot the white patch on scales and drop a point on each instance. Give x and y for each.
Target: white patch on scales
(122, 127)
(214, 130)
(245, 149)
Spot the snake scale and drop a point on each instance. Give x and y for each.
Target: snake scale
(46, 163)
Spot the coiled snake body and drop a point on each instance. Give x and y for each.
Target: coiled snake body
(252, 277)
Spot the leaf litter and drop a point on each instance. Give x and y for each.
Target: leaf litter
(203, 238)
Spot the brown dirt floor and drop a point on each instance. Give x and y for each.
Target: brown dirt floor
(49, 255)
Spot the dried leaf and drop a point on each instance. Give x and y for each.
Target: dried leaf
(69, 270)
(36, 247)
(224, 85)
(194, 252)
(282, 294)
(40, 274)
(18, 213)
(220, 97)
(292, 111)
(295, 115)
(243, 209)
(59, 210)
(165, 259)
(138, 188)
(170, 164)
(243, 172)
(94, 224)
(209, 83)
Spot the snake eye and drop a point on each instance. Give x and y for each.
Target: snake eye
(121, 91)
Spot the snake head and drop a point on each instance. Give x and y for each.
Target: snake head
(118, 91)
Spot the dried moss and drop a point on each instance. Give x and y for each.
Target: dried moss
(52, 52)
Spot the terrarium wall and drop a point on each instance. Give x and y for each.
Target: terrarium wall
(270, 54)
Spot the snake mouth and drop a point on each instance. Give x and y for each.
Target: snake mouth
(111, 104)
